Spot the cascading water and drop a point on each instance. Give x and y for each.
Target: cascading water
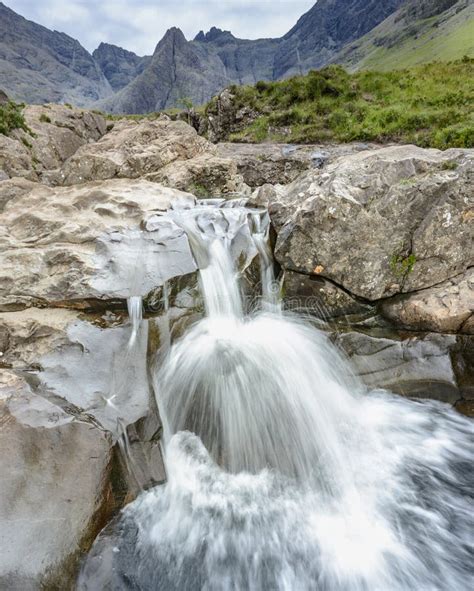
(284, 473)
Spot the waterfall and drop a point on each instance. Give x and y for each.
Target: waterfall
(285, 473)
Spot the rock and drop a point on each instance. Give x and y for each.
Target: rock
(206, 175)
(320, 297)
(164, 151)
(268, 163)
(11, 188)
(56, 497)
(417, 366)
(448, 307)
(134, 148)
(57, 131)
(380, 222)
(78, 246)
(119, 66)
(265, 195)
(4, 100)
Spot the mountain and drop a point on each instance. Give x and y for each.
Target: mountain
(177, 69)
(119, 66)
(38, 65)
(420, 31)
(198, 69)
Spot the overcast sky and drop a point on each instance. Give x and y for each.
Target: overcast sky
(138, 25)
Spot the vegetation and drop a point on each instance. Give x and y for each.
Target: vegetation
(428, 105)
(44, 118)
(11, 117)
(402, 266)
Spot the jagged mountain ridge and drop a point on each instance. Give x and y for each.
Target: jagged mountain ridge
(223, 59)
(119, 81)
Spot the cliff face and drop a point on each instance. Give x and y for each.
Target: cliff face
(38, 65)
(119, 66)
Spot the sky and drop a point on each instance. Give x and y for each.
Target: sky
(138, 25)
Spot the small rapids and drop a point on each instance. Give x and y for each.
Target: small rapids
(284, 472)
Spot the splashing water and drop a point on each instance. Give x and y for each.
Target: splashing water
(284, 472)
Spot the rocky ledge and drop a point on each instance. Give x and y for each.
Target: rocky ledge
(376, 243)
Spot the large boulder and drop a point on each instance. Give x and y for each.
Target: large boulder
(56, 133)
(133, 149)
(169, 152)
(380, 222)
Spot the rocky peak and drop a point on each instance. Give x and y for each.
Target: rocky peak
(214, 34)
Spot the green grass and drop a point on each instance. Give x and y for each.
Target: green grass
(429, 105)
(429, 46)
(11, 117)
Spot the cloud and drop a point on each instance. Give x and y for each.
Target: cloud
(138, 25)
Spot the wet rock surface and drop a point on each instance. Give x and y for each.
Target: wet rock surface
(411, 365)
(80, 244)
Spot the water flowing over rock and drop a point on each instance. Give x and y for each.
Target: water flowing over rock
(105, 357)
(88, 242)
(294, 474)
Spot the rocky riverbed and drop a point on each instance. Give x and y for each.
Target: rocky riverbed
(375, 242)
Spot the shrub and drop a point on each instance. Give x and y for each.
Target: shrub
(44, 118)
(11, 117)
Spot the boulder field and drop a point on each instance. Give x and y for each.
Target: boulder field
(376, 243)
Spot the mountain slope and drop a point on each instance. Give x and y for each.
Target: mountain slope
(420, 31)
(38, 65)
(325, 29)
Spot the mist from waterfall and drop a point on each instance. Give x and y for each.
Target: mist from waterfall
(284, 472)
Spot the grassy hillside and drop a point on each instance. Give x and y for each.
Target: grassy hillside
(417, 33)
(429, 105)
